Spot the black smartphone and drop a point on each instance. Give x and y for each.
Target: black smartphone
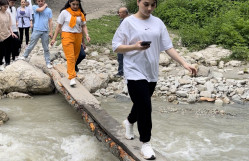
(145, 43)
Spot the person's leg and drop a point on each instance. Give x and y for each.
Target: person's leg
(78, 50)
(2, 51)
(82, 55)
(120, 64)
(77, 46)
(45, 42)
(67, 40)
(8, 45)
(27, 35)
(16, 46)
(140, 92)
(34, 39)
(21, 34)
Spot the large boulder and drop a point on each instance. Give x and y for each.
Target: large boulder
(20, 76)
(93, 81)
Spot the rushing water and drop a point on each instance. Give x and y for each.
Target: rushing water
(194, 132)
(46, 128)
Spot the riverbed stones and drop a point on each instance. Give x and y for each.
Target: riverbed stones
(3, 117)
(93, 81)
(14, 95)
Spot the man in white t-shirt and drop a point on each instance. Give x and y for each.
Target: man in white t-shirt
(15, 50)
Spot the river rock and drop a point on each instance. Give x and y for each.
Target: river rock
(221, 64)
(3, 117)
(20, 76)
(206, 94)
(93, 81)
(95, 53)
(14, 95)
(164, 59)
(234, 63)
(218, 102)
(203, 71)
(192, 98)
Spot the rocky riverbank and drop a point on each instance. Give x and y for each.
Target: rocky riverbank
(216, 81)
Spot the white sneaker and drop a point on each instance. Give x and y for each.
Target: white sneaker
(147, 151)
(1, 67)
(128, 130)
(72, 82)
(49, 66)
(21, 58)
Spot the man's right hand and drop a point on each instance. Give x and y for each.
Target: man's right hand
(52, 42)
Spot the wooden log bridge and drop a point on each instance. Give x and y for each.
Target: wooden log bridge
(106, 129)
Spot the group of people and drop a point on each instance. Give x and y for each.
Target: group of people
(13, 22)
(137, 62)
(71, 25)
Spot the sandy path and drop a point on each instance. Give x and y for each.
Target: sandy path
(93, 8)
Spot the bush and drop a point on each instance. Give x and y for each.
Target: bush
(205, 22)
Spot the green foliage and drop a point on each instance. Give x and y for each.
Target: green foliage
(205, 22)
(102, 30)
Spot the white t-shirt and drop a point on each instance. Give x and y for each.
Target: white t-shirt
(142, 64)
(30, 6)
(13, 18)
(64, 19)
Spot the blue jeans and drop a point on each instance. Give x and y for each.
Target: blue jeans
(120, 64)
(44, 35)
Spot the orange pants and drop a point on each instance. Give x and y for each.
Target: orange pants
(71, 43)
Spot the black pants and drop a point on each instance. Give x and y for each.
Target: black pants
(140, 92)
(26, 34)
(15, 50)
(5, 50)
(82, 56)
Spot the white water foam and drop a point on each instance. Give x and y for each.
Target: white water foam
(80, 148)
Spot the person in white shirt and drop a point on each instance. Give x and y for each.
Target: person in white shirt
(15, 50)
(141, 65)
(72, 23)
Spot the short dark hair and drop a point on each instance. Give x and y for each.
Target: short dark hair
(4, 2)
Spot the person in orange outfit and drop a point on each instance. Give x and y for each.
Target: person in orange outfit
(72, 23)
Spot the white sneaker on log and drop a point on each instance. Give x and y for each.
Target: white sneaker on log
(49, 66)
(72, 82)
(1, 67)
(128, 130)
(21, 58)
(147, 151)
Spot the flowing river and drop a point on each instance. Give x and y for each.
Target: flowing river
(46, 128)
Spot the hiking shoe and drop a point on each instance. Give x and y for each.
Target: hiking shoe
(21, 58)
(147, 151)
(128, 130)
(1, 67)
(72, 82)
(49, 66)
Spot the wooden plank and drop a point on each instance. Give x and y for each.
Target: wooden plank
(111, 126)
